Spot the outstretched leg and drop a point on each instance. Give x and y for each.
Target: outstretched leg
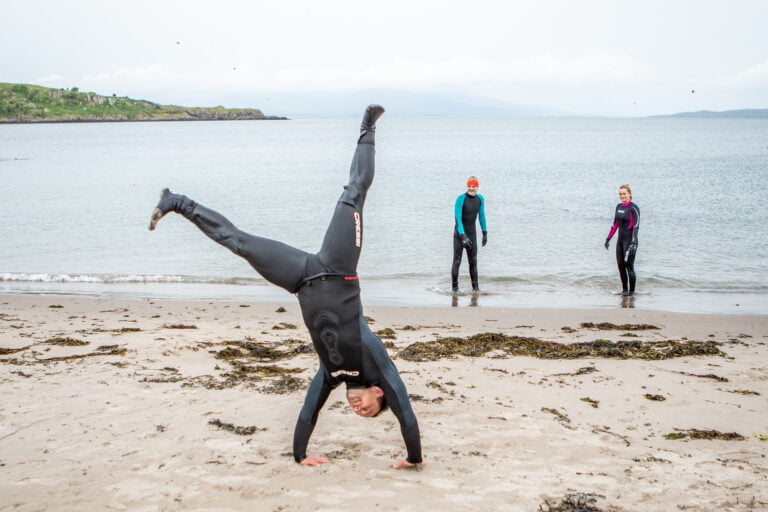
(277, 262)
(344, 238)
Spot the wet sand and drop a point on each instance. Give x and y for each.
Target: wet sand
(115, 404)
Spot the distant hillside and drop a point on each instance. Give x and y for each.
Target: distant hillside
(21, 103)
(397, 102)
(743, 113)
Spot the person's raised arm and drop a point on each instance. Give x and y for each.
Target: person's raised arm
(317, 394)
(395, 395)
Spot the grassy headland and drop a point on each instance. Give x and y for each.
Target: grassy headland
(22, 103)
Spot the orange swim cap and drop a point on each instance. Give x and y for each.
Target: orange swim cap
(473, 182)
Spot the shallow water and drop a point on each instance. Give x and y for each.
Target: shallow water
(77, 198)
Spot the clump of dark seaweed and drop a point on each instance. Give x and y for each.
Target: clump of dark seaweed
(695, 433)
(578, 502)
(743, 392)
(655, 398)
(480, 344)
(421, 398)
(607, 326)
(260, 351)
(8, 351)
(705, 376)
(66, 341)
(235, 429)
(386, 334)
(593, 403)
(179, 326)
(284, 385)
(281, 309)
(109, 350)
(581, 371)
(283, 325)
(262, 370)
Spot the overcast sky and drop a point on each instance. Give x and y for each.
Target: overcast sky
(594, 57)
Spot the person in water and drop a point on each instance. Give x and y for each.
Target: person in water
(626, 221)
(328, 290)
(468, 207)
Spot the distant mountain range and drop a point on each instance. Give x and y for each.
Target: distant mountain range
(746, 113)
(22, 103)
(397, 103)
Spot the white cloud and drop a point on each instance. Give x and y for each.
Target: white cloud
(51, 80)
(753, 75)
(540, 70)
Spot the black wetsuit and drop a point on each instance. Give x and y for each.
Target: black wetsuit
(627, 221)
(329, 295)
(466, 211)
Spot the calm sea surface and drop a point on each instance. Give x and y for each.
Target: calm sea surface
(75, 200)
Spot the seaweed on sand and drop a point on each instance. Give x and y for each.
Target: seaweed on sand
(578, 502)
(480, 344)
(66, 341)
(562, 418)
(260, 351)
(8, 351)
(235, 429)
(695, 433)
(284, 385)
(743, 392)
(106, 350)
(607, 326)
(705, 376)
(386, 334)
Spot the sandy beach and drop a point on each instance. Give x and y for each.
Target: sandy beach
(148, 405)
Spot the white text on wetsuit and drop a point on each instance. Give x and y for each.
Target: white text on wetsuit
(351, 373)
(357, 230)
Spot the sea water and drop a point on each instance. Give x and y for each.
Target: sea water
(75, 201)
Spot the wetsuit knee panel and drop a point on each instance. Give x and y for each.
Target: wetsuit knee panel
(352, 196)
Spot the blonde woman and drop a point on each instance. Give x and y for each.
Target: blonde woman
(626, 221)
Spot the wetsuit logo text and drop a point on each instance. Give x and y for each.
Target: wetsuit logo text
(351, 373)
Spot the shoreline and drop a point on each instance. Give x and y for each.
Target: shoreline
(134, 404)
(414, 293)
(62, 121)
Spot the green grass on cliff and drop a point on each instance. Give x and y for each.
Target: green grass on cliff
(21, 102)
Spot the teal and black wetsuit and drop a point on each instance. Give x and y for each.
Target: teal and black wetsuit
(329, 295)
(466, 211)
(626, 221)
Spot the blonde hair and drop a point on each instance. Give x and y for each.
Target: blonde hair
(626, 186)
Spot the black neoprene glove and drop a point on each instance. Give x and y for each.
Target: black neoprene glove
(465, 241)
(485, 238)
(607, 243)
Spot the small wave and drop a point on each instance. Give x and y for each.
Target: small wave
(122, 279)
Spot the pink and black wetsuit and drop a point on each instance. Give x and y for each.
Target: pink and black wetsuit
(626, 221)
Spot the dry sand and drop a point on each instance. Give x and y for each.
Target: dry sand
(128, 426)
